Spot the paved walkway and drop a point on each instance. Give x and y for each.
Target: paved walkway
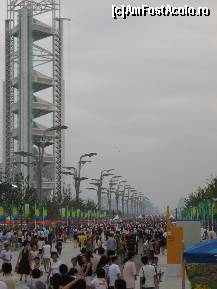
(169, 282)
(69, 251)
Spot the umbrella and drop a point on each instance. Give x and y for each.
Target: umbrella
(205, 252)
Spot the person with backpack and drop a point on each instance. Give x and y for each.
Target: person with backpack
(114, 272)
(148, 248)
(147, 274)
(104, 263)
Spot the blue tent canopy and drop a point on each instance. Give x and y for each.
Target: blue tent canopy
(204, 252)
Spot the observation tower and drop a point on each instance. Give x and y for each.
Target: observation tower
(34, 94)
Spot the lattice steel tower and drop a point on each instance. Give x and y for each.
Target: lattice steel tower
(34, 91)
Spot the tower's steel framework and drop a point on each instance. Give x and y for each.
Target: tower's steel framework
(34, 90)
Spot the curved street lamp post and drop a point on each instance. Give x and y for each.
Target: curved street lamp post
(41, 145)
(77, 173)
(123, 195)
(99, 185)
(110, 190)
(118, 193)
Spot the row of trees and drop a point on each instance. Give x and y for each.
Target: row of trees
(208, 192)
(201, 204)
(19, 193)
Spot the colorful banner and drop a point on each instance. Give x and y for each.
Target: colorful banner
(89, 215)
(45, 212)
(73, 213)
(37, 211)
(63, 213)
(78, 213)
(1, 211)
(68, 213)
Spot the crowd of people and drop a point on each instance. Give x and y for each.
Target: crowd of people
(110, 255)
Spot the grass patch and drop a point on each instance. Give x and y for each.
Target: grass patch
(211, 284)
(202, 274)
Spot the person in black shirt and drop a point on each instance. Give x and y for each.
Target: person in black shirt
(59, 244)
(131, 244)
(120, 284)
(65, 278)
(78, 283)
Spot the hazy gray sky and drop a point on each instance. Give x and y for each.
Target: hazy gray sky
(142, 93)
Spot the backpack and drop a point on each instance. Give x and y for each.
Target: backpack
(143, 278)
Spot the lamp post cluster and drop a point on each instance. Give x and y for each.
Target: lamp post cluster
(118, 190)
(98, 185)
(138, 203)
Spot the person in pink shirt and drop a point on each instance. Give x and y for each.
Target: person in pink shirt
(129, 272)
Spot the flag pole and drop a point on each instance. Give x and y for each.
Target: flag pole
(67, 218)
(10, 212)
(43, 216)
(35, 215)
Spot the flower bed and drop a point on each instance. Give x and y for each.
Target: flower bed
(202, 276)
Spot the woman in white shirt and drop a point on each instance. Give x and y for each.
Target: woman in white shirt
(46, 254)
(33, 253)
(40, 245)
(54, 265)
